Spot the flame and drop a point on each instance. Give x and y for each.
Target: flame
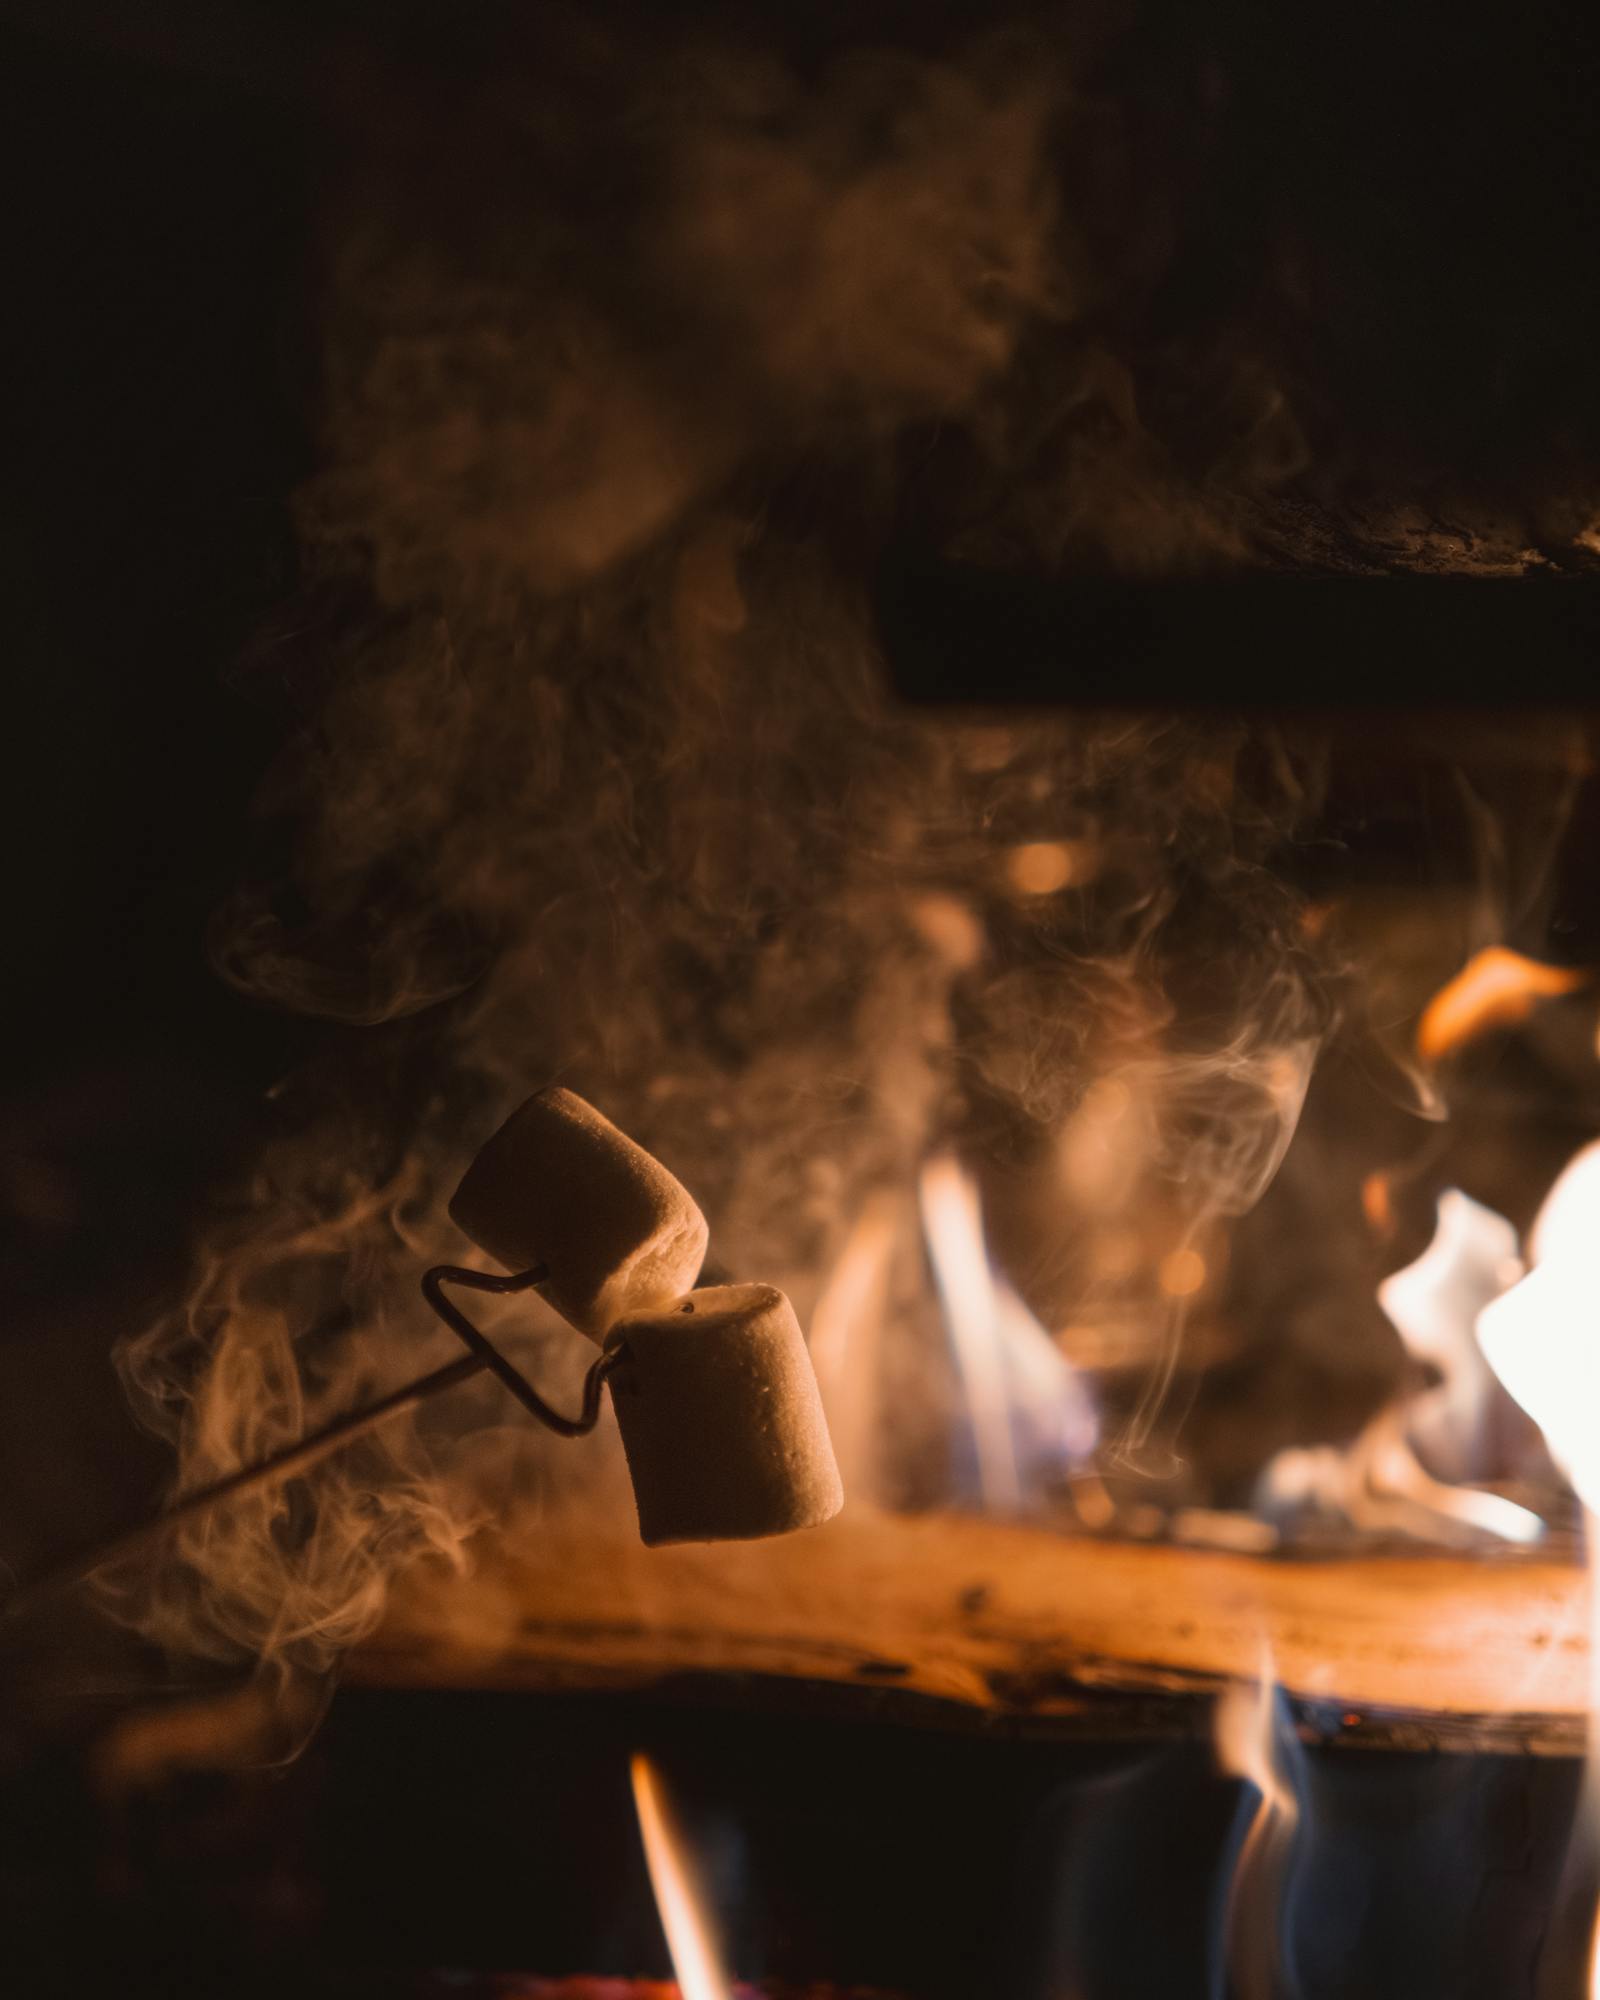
(1379, 1482)
(1541, 1339)
(954, 1227)
(1592, 1981)
(1496, 988)
(1434, 1305)
(1246, 1746)
(1564, 1226)
(1014, 1377)
(678, 1899)
(847, 1324)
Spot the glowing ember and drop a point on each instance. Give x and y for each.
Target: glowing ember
(1496, 988)
(682, 1910)
(1020, 1390)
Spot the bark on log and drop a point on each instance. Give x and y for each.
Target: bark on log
(1005, 1624)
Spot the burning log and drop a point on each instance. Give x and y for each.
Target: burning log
(996, 1620)
(955, 632)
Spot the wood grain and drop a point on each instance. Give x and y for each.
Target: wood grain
(1003, 1620)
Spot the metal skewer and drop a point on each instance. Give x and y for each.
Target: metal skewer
(309, 1451)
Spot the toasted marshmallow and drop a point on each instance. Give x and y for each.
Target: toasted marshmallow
(559, 1186)
(721, 1419)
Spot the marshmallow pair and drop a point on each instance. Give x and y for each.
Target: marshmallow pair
(714, 1392)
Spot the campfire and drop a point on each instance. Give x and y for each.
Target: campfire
(882, 1276)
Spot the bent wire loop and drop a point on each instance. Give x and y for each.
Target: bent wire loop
(479, 1343)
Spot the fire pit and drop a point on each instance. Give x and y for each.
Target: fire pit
(865, 1266)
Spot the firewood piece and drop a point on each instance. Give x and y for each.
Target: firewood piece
(958, 632)
(997, 1619)
(721, 1419)
(558, 1185)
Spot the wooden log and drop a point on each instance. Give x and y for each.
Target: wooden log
(959, 634)
(1004, 1623)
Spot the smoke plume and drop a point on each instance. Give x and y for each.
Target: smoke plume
(633, 362)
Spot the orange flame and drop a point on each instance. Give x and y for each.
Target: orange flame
(847, 1324)
(1496, 988)
(1246, 1748)
(695, 1959)
(1242, 1729)
(1594, 1961)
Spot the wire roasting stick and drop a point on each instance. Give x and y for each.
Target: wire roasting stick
(301, 1456)
(721, 1421)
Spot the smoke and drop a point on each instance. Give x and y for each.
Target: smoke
(596, 777)
(567, 319)
(290, 1315)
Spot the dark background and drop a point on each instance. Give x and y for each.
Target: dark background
(156, 233)
(428, 1840)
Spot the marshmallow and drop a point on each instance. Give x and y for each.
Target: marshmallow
(720, 1418)
(559, 1185)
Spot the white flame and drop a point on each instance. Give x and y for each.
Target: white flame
(1542, 1339)
(683, 1916)
(1378, 1482)
(952, 1221)
(1565, 1225)
(1015, 1379)
(1434, 1305)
